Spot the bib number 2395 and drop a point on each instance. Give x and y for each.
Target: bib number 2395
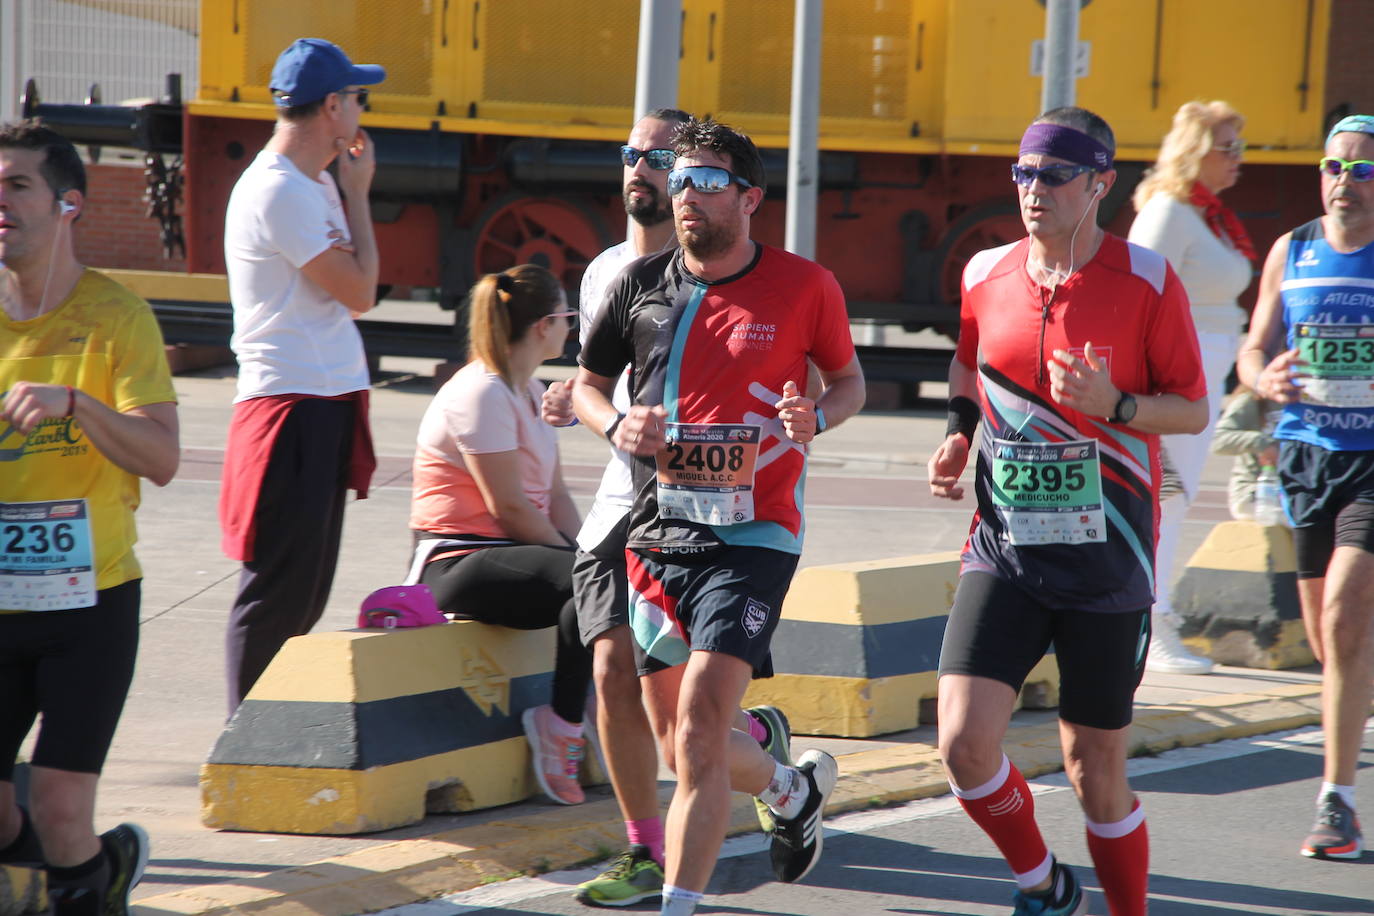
(1048, 492)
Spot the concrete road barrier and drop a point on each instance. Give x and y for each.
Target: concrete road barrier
(1238, 598)
(365, 730)
(858, 646)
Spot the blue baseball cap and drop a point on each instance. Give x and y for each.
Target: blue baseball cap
(312, 68)
(1354, 124)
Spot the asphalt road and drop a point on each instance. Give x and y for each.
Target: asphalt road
(1225, 824)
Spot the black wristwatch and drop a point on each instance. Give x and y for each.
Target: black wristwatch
(609, 429)
(1125, 409)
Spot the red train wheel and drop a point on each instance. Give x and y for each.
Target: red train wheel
(982, 227)
(557, 234)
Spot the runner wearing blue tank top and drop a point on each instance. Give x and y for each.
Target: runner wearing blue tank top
(1311, 348)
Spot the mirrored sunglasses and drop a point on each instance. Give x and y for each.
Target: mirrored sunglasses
(708, 179)
(659, 159)
(1359, 169)
(1052, 176)
(1234, 148)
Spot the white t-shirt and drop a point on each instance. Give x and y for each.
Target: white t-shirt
(290, 336)
(615, 495)
(476, 413)
(1213, 272)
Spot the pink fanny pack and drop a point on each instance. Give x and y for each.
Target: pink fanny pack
(400, 606)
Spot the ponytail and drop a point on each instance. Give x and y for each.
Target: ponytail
(502, 307)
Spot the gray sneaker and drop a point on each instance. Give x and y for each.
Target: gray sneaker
(779, 747)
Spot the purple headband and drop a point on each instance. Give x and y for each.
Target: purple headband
(1065, 143)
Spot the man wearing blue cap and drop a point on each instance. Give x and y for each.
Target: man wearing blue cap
(302, 264)
(1311, 349)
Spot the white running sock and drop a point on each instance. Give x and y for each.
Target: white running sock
(1347, 793)
(678, 901)
(786, 791)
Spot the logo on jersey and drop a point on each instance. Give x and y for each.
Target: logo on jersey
(1308, 259)
(660, 322)
(752, 335)
(755, 617)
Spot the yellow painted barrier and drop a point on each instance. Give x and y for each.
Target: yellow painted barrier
(1238, 598)
(858, 647)
(365, 730)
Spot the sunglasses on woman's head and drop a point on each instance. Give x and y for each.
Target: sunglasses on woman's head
(659, 159)
(1359, 169)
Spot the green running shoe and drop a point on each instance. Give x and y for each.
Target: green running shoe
(633, 877)
(779, 747)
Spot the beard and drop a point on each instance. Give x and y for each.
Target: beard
(649, 210)
(707, 240)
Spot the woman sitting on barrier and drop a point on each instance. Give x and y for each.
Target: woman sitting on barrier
(493, 519)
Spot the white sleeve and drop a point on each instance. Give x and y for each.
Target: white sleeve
(1164, 226)
(296, 221)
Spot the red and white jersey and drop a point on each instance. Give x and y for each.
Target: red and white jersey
(1130, 305)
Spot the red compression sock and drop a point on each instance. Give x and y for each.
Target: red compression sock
(1121, 855)
(1003, 807)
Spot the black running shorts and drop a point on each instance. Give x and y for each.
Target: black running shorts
(727, 600)
(998, 631)
(598, 576)
(1330, 500)
(74, 667)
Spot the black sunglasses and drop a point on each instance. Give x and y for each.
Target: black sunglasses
(708, 179)
(360, 93)
(659, 159)
(1052, 176)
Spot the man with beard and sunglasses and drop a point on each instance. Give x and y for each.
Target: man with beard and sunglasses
(599, 583)
(1311, 349)
(1078, 349)
(717, 335)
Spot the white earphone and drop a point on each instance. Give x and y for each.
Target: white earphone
(1101, 186)
(67, 207)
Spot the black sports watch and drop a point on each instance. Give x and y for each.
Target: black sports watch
(1125, 409)
(609, 429)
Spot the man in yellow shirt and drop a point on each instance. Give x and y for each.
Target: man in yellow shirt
(86, 409)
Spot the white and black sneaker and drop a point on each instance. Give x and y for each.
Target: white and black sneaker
(795, 847)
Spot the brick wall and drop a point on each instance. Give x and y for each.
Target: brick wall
(1349, 63)
(113, 231)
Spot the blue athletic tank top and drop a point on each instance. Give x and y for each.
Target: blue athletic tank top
(1328, 314)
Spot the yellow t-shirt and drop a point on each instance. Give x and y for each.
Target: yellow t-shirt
(105, 341)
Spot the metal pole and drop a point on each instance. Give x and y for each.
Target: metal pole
(11, 76)
(1061, 53)
(660, 37)
(805, 125)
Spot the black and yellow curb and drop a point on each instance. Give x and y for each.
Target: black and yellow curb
(1238, 598)
(364, 730)
(420, 869)
(22, 891)
(857, 648)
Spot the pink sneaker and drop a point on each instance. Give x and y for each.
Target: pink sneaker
(556, 758)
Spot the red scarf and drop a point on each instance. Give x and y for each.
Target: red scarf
(1221, 219)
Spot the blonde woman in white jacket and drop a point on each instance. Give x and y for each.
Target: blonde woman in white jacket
(1180, 215)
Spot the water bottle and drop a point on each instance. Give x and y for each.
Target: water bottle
(1268, 508)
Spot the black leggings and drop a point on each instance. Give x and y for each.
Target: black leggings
(74, 667)
(525, 587)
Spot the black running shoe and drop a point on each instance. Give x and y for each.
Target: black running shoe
(127, 848)
(796, 842)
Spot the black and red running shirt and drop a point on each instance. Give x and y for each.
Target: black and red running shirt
(720, 352)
